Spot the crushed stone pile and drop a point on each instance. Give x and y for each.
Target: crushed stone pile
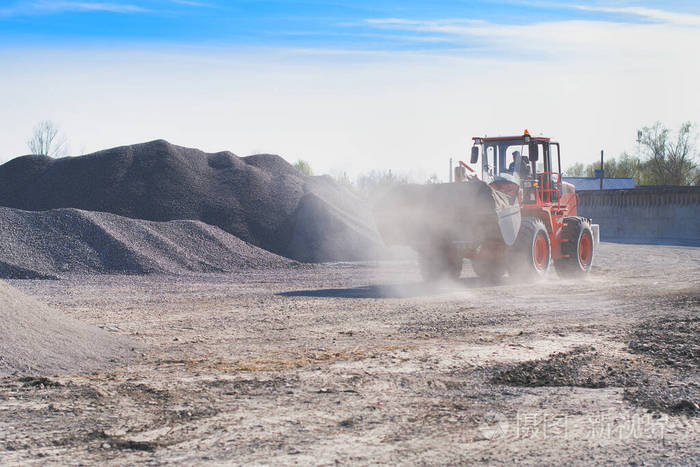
(261, 199)
(38, 340)
(46, 244)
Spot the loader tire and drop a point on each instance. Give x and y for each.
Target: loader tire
(436, 266)
(577, 248)
(529, 257)
(491, 270)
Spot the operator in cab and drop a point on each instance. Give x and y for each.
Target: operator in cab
(519, 165)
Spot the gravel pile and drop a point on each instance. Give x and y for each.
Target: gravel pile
(672, 345)
(38, 340)
(261, 199)
(665, 379)
(40, 245)
(582, 367)
(672, 342)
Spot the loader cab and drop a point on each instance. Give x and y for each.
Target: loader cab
(504, 157)
(536, 167)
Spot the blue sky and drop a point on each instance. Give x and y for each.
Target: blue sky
(348, 85)
(286, 23)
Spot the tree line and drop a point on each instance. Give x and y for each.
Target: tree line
(663, 158)
(368, 184)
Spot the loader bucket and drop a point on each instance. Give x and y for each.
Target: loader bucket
(422, 216)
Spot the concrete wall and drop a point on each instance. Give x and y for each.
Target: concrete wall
(662, 215)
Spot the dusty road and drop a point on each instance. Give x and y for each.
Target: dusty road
(365, 364)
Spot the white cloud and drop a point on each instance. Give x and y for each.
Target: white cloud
(562, 41)
(662, 16)
(421, 23)
(190, 3)
(51, 7)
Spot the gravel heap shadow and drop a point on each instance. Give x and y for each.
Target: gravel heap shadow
(261, 199)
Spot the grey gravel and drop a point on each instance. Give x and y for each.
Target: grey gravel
(38, 340)
(261, 199)
(361, 363)
(50, 244)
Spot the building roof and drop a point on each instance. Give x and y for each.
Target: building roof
(593, 183)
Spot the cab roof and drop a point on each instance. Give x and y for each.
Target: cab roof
(488, 139)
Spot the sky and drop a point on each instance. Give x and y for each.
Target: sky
(349, 86)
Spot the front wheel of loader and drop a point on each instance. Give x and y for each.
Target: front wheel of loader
(529, 257)
(577, 248)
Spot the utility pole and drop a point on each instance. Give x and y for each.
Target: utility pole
(602, 173)
(451, 170)
(639, 142)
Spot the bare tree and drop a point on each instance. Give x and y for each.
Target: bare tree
(432, 180)
(376, 182)
(630, 166)
(669, 162)
(626, 166)
(681, 155)
(303, 167)
(576, 170)
(46, 140)
(342, 178)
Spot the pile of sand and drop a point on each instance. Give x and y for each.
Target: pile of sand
(48, 243)
(261, 199)
(38, 340)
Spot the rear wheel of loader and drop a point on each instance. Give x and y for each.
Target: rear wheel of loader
(577, 248)
(440, 265)
(530, 255)
(491, 270)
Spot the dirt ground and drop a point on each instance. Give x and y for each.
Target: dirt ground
(363, 363)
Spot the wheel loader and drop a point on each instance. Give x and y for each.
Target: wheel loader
(516, 217)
